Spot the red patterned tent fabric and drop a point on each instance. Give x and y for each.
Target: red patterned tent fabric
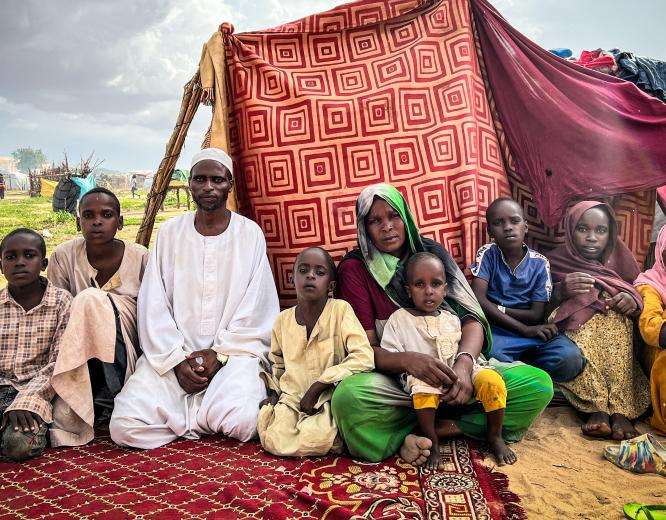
(372, 91)
(380, 91)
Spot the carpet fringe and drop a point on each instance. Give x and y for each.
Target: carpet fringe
(511, 507)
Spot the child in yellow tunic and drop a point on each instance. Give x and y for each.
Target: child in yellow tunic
(314, 346)
(435, 331)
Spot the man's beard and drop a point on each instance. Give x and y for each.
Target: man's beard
(210, 205)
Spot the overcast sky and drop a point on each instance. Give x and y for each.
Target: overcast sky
(107, 76)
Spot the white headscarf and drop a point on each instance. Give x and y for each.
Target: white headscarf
(214, 154)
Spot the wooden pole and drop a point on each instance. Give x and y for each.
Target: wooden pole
(188, 107)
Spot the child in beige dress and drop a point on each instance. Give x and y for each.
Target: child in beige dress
(314, 346)
(430, 329)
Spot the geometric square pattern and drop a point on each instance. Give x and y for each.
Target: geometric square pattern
(371, 91)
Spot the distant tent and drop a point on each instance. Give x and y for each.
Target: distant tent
(15, 181)
(178, 178)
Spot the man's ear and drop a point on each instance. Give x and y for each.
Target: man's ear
(527, 227)
(331, 286)
(121, 222)
(45, 264)
(78, 223)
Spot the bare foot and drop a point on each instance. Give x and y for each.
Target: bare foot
(502, 452)
(598, 425)
(432, 464)
(622, 428)
(415, 450)
(446, 428)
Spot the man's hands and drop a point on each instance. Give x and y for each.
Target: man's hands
(310, 398)
(21, 420)
(204, 362)
(196, 371)
(430, 370)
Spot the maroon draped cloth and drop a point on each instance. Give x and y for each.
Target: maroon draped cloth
(574, 133)
(613, 274)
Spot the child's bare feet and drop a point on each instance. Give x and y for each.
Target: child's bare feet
(502, 452)
(598, 425)
(622, 428)
(415, 450)
(432, 463)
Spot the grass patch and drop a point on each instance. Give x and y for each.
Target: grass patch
(20, 210)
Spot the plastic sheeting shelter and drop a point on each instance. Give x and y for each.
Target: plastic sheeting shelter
(15, 181)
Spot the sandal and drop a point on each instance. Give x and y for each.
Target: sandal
(642, 454)
(637, 511)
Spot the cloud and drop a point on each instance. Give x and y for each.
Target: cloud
(86, 75)
(108, 75)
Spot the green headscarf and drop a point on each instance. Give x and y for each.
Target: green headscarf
(383, 266)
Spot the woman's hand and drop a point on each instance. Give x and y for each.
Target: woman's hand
(623, 303)
(575, 284)
(429, 370)
(462, 390)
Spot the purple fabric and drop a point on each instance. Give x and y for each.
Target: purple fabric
(574, 133)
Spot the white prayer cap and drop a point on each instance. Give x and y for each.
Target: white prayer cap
(213, 154)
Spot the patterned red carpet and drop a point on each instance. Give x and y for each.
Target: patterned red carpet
(219, 478)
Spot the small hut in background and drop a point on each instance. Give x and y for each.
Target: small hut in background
(58, 181)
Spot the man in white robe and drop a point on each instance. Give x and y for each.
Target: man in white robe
(205, 313)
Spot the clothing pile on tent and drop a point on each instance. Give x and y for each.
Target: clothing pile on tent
(68, 191)
(647, 73)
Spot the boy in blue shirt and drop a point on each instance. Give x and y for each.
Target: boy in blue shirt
(513, 286)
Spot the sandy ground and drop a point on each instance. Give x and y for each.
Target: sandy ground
(561, 475)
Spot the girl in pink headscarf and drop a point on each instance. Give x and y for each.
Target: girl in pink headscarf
(652, 286)
(593, 273)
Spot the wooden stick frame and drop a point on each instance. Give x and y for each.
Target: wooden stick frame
(188, 108)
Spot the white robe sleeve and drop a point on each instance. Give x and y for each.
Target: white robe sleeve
(249, 330)
(161, 341)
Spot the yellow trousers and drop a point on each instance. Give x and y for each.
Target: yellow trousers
(489, 389)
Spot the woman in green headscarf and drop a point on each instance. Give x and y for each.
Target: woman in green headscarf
(373, 413)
